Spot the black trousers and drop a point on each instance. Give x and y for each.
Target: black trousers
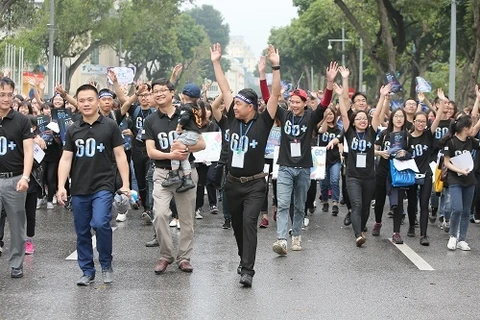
(244, 203)
(361, 193)
(50, 178)
(311, 193)
(411, 208)
(424, 196)
(206, 177)
(140, 166)
(380, 196)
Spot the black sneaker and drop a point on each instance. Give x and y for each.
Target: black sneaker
(172, 179)
(187, 184)
(347, 221)
(334, 210)
(246, 280)
(424, 241)
(152, 243)
(411, 232)
(390, 213)
(147, 216)
(227, 224)
(433, 215)
(325, 207)
(85, 280)
(342, 202)
(213, 209)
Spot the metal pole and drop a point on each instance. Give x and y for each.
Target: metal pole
(311, 75)
(360, 67)
(343, 46)
(453, 47)
(20, 69)
(14, 58)
(51, 28)
(120, 53)
(64, 72)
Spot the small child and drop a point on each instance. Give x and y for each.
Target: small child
(188, 130)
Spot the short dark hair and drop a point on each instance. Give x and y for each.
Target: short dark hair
(356, 94)
(7, 82)
(251, 95)
(28, 105)
(108, 91)
(46, 105)
(163, 82)
(86, 87)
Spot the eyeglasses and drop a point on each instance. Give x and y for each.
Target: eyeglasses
(145, 95)
(401, 116)
(420, 121)
(361, 119)
(4, 94)
(161, 91)
(359, 100)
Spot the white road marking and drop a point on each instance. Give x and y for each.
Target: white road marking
(73, 256)
(413, 256)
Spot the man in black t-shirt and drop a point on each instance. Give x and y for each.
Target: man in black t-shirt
(248, 134)
(16, 161)
(92, 144)
(160, 134)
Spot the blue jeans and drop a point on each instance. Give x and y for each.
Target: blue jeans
(297, 181)
(445, 204)
(93, 211)
(461, 200)
(332, 180)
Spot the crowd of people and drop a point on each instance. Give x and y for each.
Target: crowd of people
(154, 132)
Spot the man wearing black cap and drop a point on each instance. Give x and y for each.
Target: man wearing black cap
(16, 161)
(248, 134)
(295, 160)
(188, 130)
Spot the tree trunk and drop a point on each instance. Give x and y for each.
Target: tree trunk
(470, 95)
(387, 36)
(71, 70)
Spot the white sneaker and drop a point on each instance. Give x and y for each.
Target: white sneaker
(178, 225)
(121, 217)
(306, 222)
(297, 243)
(173, 223)
(39, 203)
(50, 205)
(463, 245)
(452, 243)
(198, 215)
(54, 200)
(280, 246)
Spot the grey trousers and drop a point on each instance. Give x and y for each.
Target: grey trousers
(14, 204)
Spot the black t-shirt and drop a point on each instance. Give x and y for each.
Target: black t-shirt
(14, 128)
(442, 129)
(360, 147)
(138, 116)
(190, 117)
(297, 129)
(116, 115)
(421, 148)
(395, 141)
(250, 139)
(127, 123)
(455, 147)
(333, 155)
(160, 128)
(93, 157)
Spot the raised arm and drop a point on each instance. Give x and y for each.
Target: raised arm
(272, 103)
(216, 56)
(423, 99)
(343, 108)
(131, 100)
(65, 95)
(477, 102)
(217, 113)
(121, 96)
(443, 100)
(384, 91)
(263, 79)
(175, 72)
(345, 74)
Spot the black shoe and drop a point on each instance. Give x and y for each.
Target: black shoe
(246, 280)
(186, 185)
(227, 224)
(152, 243)
(411, 232)
(347, 221)
(390, 213)
(172, 179)
(424, 241)
(342, 202)
(107, 275)
(433, 215)
(325, 207)
(17, 273)
(147, 216)
(239, 269)
(334, 210)
(85, 280)
(135, 206)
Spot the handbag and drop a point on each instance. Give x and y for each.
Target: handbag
(401, 179)
(420, 179)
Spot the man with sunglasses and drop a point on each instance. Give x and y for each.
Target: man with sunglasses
(295, 160)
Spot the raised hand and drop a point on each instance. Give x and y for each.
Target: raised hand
(441, 95)
(344, 71)
(332, 71)
(112, 75)
(177, 69)
(421, 96)
(262, 65)
(477, 91)
(273, 55)
(60, 89)
(338, 89)
(216, 52)
(386, 89)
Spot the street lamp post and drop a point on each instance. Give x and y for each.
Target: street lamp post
(360, 66)
(51, 27)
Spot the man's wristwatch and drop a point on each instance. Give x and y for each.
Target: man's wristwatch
(26, 178)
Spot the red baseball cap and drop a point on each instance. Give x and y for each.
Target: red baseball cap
(300, 93)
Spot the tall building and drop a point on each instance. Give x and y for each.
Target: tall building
(238, 49)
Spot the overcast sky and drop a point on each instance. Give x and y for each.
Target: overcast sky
(253, 19)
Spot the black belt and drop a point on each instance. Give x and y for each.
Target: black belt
(247, 179)
(6, 175)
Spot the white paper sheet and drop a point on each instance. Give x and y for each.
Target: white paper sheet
(405, 164)
(38, 153)
(463, 161)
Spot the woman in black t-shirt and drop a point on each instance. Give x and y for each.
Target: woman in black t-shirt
(461, 180)
(420, 143)
(360, 135)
